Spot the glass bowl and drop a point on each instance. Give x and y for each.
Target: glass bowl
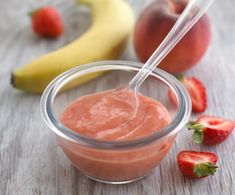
(114, 162)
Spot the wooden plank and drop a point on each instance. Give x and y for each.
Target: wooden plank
(31, 162)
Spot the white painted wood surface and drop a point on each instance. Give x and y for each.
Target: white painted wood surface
(31, 161)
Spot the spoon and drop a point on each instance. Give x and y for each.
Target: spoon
(191, 14)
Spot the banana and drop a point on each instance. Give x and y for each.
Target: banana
(112, 24)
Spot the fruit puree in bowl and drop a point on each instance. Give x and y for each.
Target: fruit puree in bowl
(102, 133)
(116, 166)
(111, 116)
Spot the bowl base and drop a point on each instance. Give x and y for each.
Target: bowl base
(115, 182)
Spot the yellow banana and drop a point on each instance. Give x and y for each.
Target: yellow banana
(105, 40)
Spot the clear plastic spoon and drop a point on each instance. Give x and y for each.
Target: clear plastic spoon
(191, 14)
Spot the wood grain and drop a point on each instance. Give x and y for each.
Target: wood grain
(31, 161)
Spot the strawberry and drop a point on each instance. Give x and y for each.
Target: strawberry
(46, 22)
(197, 93)
(197, 164)
(210, 129)
(172, 97)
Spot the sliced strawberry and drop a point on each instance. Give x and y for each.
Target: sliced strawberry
(197, 164)
(210, 129)
(172, 97)
(197, 93)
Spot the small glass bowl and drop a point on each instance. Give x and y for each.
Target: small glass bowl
(114, 162)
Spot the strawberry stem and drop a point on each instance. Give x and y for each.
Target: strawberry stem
(198, 131)
(31, 13)
(204, 169)
(180, 77)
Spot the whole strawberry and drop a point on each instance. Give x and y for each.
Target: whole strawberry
(197, 164)
(46, 22)
(211, 130)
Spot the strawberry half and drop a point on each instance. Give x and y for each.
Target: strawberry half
(197, 93)
(46, 22)
(172, 97)
(197, 164)
(210, 129)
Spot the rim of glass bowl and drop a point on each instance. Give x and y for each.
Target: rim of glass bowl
(49, 116)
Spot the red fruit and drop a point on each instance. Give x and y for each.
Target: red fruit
(154, 24)
(197, 164)
(47, 22)
(172, 97)
(211, 130)
(197, 93)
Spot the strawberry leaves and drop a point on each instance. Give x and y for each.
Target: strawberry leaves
(198, 131)
(204, 169)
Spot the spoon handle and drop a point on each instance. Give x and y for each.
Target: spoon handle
(191, 14)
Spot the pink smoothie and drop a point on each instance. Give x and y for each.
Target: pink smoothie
(110, 116)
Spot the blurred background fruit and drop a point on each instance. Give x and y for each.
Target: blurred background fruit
(106, 39)
(153, 25)
(46, 22)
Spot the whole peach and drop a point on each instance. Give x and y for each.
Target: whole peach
(153, 25)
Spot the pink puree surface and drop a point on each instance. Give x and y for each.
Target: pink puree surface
(110, 116)
(106, 116)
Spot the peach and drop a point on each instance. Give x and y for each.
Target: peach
(154, 24)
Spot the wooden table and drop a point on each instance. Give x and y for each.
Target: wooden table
(31, 162)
